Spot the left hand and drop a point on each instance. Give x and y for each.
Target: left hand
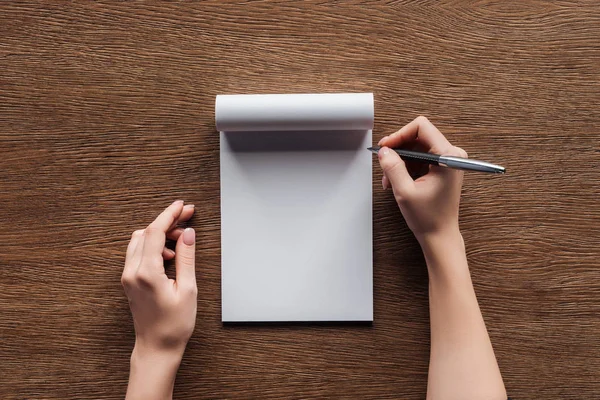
(163, 309)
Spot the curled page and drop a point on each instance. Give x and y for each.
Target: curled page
(300, 112)
(296, 207)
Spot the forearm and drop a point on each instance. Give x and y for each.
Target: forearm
(462, 362)
(152, 374)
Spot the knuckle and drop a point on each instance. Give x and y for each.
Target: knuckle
(144, 278)
(422, 119)
(151, 231)
(127, 280)
(190, 290)
(400, 201)
(138, 233)
(387, 164)
(153, 261)
(402, 196)
(460, 152)
(393, 168)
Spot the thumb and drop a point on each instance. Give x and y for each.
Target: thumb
(185, 258)
(395, 170)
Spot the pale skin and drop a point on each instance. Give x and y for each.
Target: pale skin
(462, 362)
(163, 309)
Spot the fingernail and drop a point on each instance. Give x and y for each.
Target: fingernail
(189, 236)
(383, 152)
(188, 206)
(382, 140)
(171, 252)
(383, 183)
(177, 201)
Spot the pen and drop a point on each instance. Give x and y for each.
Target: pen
(446, 161)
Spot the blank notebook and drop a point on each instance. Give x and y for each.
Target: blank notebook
(296, 207)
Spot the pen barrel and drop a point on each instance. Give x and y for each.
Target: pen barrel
(470, 165)
(409, 155)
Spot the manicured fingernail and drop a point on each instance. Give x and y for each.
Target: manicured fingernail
(383, 182)
(171, 252)
(382, 140)
(188, 206)
(189, 236)
(383, 152)
(177, 201)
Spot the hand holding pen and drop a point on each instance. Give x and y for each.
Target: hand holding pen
(445, 160)
(460, 346)
(430, 202)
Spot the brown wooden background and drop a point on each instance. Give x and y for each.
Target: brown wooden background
(106, 116)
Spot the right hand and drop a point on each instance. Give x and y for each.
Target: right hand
(429, 203)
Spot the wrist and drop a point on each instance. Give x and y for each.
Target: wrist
(146, 355)
(445, 255)
(152, 372)
(440, 240)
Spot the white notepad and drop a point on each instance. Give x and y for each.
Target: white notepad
(296, 207)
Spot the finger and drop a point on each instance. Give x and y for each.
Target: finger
(155, 236)
(385, 182)
(186, 214)
(174, 234)
(131, 259)
(444, 173)
(168, 217)
(422, 129)
(168, 254)
(450, 177)
(185, 259)
(136, 259)
(395, 170)
(135, 238)
(458, 152)
(152, 253)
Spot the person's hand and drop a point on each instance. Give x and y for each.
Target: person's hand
(163, 309)
(429, 203)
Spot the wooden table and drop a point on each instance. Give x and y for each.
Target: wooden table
(106, 116)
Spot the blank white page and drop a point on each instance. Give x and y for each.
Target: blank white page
(296, 207)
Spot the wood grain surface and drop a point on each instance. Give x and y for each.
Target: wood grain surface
(107, 115)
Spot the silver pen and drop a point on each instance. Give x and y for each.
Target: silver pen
(446, 161)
